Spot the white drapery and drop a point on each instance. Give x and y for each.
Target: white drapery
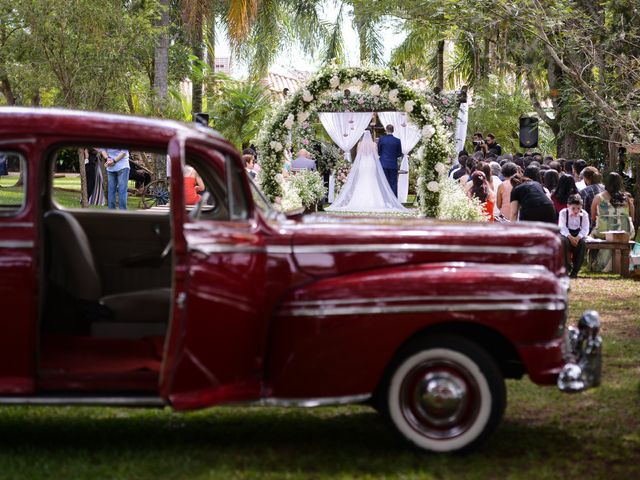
(461, 126)
(409, 135)
(345, 129)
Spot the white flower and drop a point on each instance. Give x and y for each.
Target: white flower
(306, 96)
(279, 178)
(440, 168)
(419, 181)
(334, 82)
(433, 186)
(408, 106)
(393, 95)
(275, 146)
(303, 116)
(356, 82)
(375, 89)
(420, 152)
(289, 121)
(428, 131)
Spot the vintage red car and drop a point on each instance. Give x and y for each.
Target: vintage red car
(232, 302)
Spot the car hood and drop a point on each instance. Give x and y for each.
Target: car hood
(325, 245)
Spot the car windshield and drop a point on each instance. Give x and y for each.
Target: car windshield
(261, 202)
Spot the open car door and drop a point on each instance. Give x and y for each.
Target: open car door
(215, 349)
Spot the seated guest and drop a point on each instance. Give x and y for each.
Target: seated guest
(481, 189)
(503, 195)
(574, 227)
(303, 161)
(193, 185)
(566, 187)
(249, 165)
(592, 179)
(578, 168)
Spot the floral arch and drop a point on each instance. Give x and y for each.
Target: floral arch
(336, 89)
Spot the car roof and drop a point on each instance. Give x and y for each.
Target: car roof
(52, 121)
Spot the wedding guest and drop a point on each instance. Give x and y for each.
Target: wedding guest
(95, 193)
(493, 146)
(530, 202)
(574, 227)
(578, 167)
(193, 185)
(566, 187)
(592, 179)
(248, 165)
(503, 194)
(481, 190)
(550, 180)
(303, 161)
(117, 163)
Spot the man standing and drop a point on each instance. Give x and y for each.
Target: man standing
(493, 146)
(389, 150)
(303, 161)
(117, 163)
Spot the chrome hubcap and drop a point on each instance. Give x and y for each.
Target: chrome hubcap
(439, 399)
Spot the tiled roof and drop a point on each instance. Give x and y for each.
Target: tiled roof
(277, 82)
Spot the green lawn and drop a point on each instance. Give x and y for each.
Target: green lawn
(545, 434)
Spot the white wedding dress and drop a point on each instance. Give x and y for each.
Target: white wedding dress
(366, 188)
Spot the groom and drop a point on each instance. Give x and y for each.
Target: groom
(389, 150)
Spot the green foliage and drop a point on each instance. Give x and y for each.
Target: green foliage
(497, 105)
(237, 110)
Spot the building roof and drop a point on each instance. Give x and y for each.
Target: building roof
(277, 82)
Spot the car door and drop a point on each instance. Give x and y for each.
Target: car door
(217, 336)
(18, 267)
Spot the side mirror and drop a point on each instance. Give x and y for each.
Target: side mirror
(197, 209)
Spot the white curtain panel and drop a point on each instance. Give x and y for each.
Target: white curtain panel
(409, 135)
(461, 126)
(345, 129)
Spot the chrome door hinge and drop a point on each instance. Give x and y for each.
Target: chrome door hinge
(182, 300)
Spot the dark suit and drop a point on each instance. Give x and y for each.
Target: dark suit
(389, 150)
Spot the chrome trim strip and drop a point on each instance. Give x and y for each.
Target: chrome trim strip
(470, 307)
(418, 247)
(18, 140)
(229, 248)
(312, 402)
(16, 225)
(16, 244)
(425, 298)
(106, 401)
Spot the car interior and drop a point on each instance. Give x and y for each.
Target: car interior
(107, 289)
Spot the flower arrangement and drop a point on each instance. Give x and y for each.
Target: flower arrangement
(309, 186)
(369, 88)
(340, 174)
(454, 203)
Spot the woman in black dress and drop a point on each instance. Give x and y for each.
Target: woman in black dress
(529, 202)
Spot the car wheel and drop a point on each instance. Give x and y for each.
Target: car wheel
(445, 394)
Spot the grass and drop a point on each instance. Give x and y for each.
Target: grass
(545, 434)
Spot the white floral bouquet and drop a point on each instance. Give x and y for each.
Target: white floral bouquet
(309, 186)
(454, 203)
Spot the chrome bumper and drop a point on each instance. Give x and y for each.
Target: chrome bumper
(583, 355)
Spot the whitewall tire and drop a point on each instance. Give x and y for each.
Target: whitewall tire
(445, 394)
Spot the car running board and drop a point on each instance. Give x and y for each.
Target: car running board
(122, 401)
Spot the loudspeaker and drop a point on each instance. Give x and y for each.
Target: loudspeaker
(202, 119)
(528, 132)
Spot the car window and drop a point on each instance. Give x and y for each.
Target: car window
(116, 178)
(13, 181)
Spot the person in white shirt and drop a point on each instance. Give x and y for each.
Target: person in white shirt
(574, 227)
(578, 167)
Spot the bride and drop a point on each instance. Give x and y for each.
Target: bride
(366, 188)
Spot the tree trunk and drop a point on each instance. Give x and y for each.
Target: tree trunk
(84, 198)
(161, 58)
(440, 79)
(196, 82)
(5, 87)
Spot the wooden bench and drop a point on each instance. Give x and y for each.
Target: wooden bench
(620, 253)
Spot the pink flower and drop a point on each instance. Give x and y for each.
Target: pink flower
(448, 119)
(361, 101)
(305, 141)
(305, 125)
(445, 101)
(345, 101)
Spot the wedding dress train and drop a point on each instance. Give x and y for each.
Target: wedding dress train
(366, 188)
